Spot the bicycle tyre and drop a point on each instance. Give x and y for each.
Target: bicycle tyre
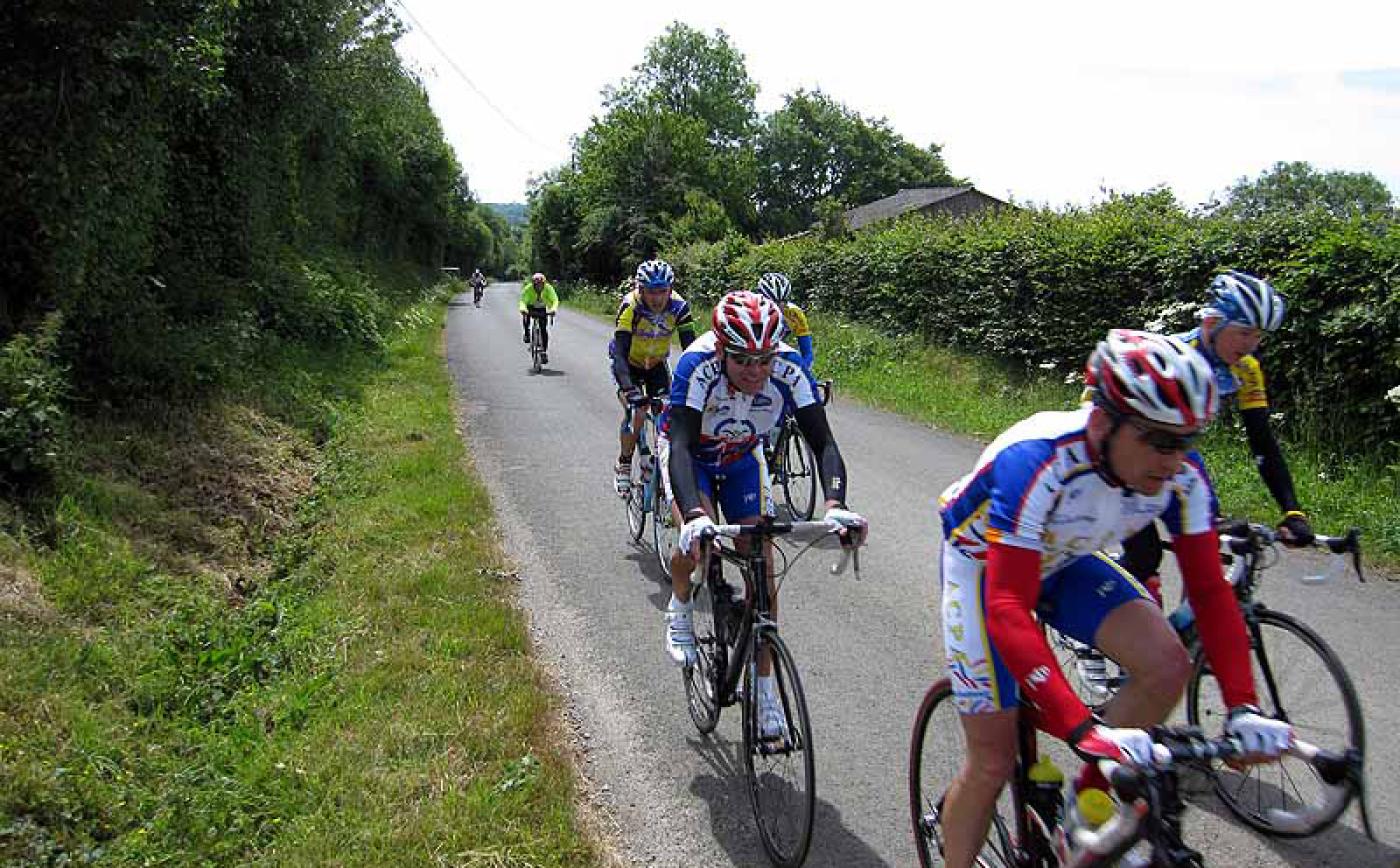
(1308, 680)
(536, 347)
(663, 527)
(937, 738)
(799, 475)
(636, 506)
(702, 679)
(783, 810)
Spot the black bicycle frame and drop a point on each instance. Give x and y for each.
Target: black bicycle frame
(755, 618)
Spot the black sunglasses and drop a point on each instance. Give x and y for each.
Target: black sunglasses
(1165, 442)
(749, 360)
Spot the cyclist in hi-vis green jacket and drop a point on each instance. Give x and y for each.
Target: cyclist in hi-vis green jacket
(539, 300)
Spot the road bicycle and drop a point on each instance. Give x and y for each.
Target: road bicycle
(792, 466)
(1300, 679)
(1029, 828)
(646, 495)
(537, 354)
(477, 290)
(734, 630)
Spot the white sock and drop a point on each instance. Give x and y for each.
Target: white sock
(768, 686)
(677, 606)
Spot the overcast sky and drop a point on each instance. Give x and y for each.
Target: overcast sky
(1049, 102)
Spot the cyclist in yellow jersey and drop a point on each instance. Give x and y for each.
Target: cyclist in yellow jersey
(1241, 310)
(538, 301)
(646, 318)
(776, 286)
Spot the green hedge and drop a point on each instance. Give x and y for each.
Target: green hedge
(1039, 288)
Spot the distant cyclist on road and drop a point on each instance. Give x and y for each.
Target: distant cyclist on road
(538, 301)
(1241, 310)
(776, 287)
(646, 319)
(731, 386)
(478, 282)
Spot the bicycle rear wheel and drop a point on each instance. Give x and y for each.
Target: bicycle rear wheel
(536, 347)
(1300, 680)
(936, 751)
(702, 679)
(799, 475)
(782, 772)
(636, 506)
(663, 527)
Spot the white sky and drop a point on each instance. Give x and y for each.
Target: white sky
(1049, 102)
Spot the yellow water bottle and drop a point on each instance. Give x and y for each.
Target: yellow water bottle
(1046, 790)
(1094, 806)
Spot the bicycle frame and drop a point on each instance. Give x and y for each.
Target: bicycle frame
(755, 619)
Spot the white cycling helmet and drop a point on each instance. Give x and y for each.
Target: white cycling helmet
(655, 274)
(775, 286)
(1244, 299)
(1154, 377)
(747, 322)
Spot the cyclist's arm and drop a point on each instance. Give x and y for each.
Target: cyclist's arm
(1268, 457)
(807, 349)
(1013, 589)
(524, 291)
(550, 298)
(812, 421)
(686, 334)
(683, 431)
(1218, 616)
(622, 348)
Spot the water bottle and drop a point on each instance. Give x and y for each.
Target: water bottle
(1047, 790)
(1182, 618)
(1093, 669)
(646, 463)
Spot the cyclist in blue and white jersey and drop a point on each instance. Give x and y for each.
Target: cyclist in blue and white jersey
(1024, 536)
(731, 386)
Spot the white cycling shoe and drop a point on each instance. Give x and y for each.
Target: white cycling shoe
(772, 723)
(680, 637)
(622, 478)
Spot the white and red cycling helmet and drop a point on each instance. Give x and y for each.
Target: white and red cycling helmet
(1154, 377)
(746, 322)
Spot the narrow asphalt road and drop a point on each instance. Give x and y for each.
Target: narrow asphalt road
(866, 649)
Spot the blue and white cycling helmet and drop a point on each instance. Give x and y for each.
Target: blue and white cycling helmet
(655, 274)
(775, 286)
(1245, 300)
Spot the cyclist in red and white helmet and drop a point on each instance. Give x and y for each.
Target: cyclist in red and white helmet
(732, 385)
(1024, 539)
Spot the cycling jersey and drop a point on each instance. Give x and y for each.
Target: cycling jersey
(545, 298)
(732, 421)
(650, 331)
(1244, 380)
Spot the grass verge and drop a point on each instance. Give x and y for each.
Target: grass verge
(977, 398)
(279, 632)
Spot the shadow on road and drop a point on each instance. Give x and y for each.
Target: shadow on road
(1338, 846)
(546, 372)
(725, 791)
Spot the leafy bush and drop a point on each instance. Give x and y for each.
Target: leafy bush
(33, 419)
(1038, 288)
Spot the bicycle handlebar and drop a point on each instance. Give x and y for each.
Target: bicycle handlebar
(813, 530)
(1243, 538)
(1133, 786)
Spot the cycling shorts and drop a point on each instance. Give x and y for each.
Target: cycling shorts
(1074, 600)
(655, 382)
(741, 489)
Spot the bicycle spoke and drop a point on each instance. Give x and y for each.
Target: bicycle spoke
(782, 771)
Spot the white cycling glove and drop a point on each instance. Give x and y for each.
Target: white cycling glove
(690, 533)
(856, 527)
(1258, 734)
(1119, 745)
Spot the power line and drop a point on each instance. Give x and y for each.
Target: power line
(418, 25)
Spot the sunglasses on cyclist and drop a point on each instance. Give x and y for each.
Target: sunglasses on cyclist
(749, 360)
(1165, 442)
(656, 290)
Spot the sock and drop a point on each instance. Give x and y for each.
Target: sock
(767, 686)
(677, 606)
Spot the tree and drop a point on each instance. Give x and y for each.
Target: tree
(1297, 186)
(815, 148)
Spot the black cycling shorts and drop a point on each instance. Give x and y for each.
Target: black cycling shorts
(655, 382)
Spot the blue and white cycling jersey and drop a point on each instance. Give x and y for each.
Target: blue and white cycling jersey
(732, 422)
(1035, 487)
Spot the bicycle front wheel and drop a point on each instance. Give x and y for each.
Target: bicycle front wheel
(1302, 681)
(702, 679)
(799, 476)
(663, 527)
(936, 751)
(782, 770)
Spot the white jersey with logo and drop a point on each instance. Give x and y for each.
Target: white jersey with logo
(1035, 487)
(732, 421)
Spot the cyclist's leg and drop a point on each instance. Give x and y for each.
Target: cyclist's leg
(987, 700)
(1097, 602)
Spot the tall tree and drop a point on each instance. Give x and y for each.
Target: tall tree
(814, 148)
(1297, 186)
